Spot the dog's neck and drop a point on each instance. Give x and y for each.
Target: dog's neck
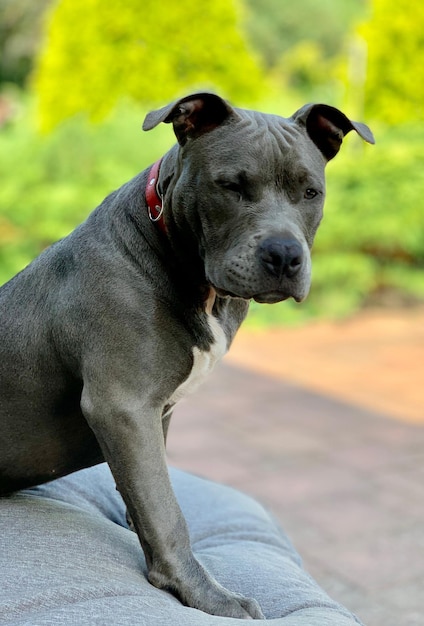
(154, 200)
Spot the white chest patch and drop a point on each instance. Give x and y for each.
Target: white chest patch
(203, 362)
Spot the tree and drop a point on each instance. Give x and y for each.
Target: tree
(301, 43)
(97, 52)
(20, 27)
(394, 34)
(278, 26)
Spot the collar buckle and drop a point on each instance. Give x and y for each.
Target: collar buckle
(154, 198)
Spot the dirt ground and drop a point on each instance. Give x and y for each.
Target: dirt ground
(374, 360)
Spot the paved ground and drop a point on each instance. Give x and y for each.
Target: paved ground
(345, 479)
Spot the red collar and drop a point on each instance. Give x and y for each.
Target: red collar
(153, 198)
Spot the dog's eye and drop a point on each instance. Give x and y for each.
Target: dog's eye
(310, 193)
(231, 186)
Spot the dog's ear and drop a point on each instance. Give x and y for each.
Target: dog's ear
(327, 126)
(191, 116)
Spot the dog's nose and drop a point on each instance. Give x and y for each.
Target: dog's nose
(281, 256)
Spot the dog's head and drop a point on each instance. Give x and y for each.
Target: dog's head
(251, 188)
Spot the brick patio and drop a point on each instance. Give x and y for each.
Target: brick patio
(345, 482)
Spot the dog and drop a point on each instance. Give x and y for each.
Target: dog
(108, 328)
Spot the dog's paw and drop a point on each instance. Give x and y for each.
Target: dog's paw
(225, 604)
(239, 607)
(199, 590)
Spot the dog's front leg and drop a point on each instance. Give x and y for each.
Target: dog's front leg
(132, 439)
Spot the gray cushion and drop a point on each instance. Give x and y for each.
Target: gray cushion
(67, 557)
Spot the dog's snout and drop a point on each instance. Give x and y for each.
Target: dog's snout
(281, 256)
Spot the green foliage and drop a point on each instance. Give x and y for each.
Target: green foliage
(375, 203)
(303, 68)
(394, 34)
(277, 26)
(50, 183)
(97, 52)
(302, 43)
(371, 240)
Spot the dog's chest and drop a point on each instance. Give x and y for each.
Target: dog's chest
(203, 361)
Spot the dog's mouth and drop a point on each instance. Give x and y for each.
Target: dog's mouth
(268, 297)
(274, 296)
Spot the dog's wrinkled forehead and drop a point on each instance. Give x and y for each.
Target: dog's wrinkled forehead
(262, 143)
(263, 126)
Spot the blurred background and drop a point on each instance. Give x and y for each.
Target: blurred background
(318, 410)
(78, 76)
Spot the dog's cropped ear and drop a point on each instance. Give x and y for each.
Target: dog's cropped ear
(327, 126)
(191, 116)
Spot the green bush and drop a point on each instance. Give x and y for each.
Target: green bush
(394, 50)
(371, 238)
(149, 55)
(50, 183)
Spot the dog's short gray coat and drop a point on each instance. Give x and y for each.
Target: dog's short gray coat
(108, 328)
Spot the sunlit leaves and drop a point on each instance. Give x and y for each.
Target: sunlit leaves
(395, 40)
(96, 53)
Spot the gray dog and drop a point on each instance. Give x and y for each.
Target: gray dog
(107, 329)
